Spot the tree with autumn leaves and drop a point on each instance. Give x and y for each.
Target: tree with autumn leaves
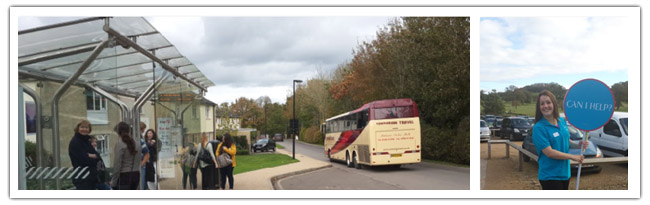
(422, 58)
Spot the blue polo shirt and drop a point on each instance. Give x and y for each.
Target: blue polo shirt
(544, 135)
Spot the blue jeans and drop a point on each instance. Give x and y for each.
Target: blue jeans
(143, 183)
(226, 172)
(103, 186)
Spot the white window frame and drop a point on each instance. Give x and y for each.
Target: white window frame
(207, 112)
(97, 115)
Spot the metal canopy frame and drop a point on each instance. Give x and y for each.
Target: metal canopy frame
(75, 53)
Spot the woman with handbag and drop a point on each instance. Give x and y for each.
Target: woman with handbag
(227, 147)
(206, 158)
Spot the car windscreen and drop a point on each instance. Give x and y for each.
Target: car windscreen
(520, 123)
(574, 133)
(624, 124)
(262, 141)
(483, 124)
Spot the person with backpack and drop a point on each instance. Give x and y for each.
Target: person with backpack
(187, 159)
(206, 158)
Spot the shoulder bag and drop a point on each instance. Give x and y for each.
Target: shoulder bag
(223, 160)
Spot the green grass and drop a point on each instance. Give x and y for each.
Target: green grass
(529, 109)
(525, 109)
(247, 163)
(279, 146)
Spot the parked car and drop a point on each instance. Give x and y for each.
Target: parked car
(612, 138)
(497, 127)
(514, 128)
(263, 145)
(576, 135)
(485, 131)
(278, 137)
(531, 120)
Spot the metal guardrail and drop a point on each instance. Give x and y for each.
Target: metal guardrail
(522, 152)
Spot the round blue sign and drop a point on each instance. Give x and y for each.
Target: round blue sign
(589, 104)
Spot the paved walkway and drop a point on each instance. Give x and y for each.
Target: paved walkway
(261, 179)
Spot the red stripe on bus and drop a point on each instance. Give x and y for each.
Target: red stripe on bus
(345, 140)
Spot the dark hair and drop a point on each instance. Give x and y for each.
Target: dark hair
(227, 142)
(83, 122)
(155, 136)
(124, 131)
(538, 112)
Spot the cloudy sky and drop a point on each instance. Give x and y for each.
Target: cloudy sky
(522, 51)
(258, 56)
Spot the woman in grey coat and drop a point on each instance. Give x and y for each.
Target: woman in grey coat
(126, 163)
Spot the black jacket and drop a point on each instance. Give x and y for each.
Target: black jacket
(150, 171)
(78, 151)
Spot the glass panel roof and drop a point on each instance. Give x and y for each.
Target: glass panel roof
(59, 50)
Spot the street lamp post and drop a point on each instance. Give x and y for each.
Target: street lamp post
(294, 119)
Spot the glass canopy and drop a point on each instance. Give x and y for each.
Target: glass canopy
(58, 51)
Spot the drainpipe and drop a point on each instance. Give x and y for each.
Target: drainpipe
(183, 121)
(55, 103)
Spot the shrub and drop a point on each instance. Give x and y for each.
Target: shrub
(242, 145)
(312, 135)
(446, 144)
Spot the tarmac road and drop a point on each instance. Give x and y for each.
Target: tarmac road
(422, 176)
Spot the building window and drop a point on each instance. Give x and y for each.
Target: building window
(96, 106)
(207, 112)
(194, 112)
(95, 101)
(103, 147)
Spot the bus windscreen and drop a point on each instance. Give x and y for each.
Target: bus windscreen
(393, 112)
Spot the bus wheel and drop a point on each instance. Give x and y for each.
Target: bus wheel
(329, 155)
(355, 162)
(347, 159)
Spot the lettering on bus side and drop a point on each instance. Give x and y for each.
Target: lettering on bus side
(404, 122)
(401, 122)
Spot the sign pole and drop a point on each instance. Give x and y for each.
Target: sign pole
(582, 151)
(588, 105)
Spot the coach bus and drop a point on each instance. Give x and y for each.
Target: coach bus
(380, 133)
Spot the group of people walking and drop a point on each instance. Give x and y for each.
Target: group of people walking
(216, 164)
(135, 166)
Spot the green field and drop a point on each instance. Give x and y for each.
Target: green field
(525, 109)
(247, 163)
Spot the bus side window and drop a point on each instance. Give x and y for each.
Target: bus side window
(362, 118)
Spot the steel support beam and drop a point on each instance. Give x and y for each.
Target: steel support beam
(39, 129)
(127, 42)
